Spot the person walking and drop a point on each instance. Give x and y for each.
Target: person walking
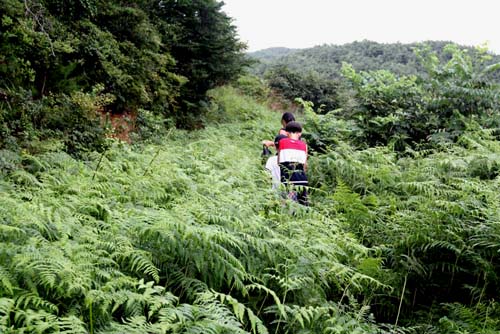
(272, 161)
(286, 118)
(292, 160)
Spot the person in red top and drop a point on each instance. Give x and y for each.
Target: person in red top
(292, 160)
(272, 161)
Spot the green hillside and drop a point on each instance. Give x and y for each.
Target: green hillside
(365, 55)
(186, 236)
(317, 74)
(133, 197)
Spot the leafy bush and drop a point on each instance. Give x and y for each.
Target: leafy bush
(323, 93)
(73, 119)
(229, 106)
(389, 109)
(252, 86)
(409, 111)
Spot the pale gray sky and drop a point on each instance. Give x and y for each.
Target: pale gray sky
(306, 23)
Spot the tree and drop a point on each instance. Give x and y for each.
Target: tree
(310, 86)
(435, 106)
(157, 56)
(203, 40)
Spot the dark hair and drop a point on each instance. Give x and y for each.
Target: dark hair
(277, 140)
(293, 127)
(288, 117)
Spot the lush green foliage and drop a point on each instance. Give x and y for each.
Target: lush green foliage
(405, 111)
(181, 237)
(205, 46)
(145, 57)
(434, 213)
(380, 108)
(327, 60)
(182, 233)
(253, 86)
(186, 236)
(409, 165)
(310, 87)
(392, 81)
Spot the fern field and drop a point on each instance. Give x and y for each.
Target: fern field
(433, 215)
(180, 237)
(185, 235)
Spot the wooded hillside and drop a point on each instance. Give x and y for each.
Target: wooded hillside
(317, 75)
(327, 60)
(177, 231)
(62, 60)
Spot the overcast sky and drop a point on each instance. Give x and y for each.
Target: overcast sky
(306, 23)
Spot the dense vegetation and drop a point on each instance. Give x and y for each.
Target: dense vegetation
(186, 236)
(60, 61)
(327, 60)
(180, 237)
(423, 110)
(180, 231)
(316, 75)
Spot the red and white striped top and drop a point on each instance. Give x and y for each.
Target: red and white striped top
(291, 150)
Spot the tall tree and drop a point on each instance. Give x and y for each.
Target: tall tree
(203, 40)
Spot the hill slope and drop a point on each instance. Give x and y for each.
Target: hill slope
(365, 55)
(185, 235)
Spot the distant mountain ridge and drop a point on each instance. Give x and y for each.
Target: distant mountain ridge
(272, 53)
(363, 55)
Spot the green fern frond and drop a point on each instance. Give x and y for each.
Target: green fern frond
(27, 300)
(138, 261)
(23, 178)
(7, 307)
(240, 310)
